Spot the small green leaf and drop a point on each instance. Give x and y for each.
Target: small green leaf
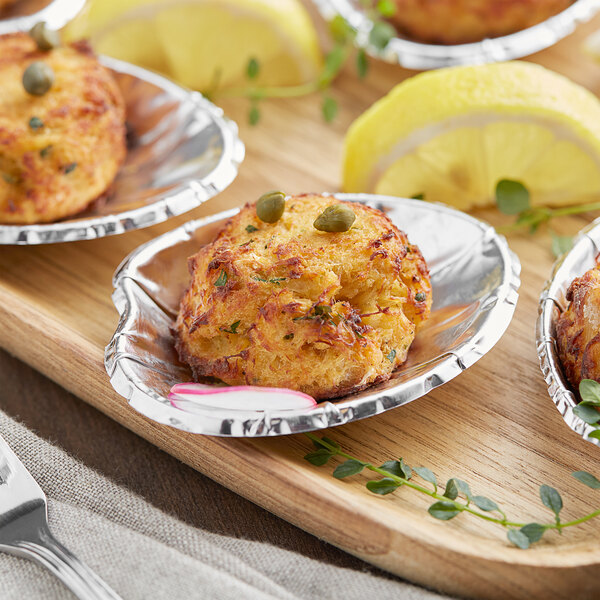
(362, 63)
(45, 151)
(464, 488)
(341, 30)
(406, 470)
(348, 468)
(518, 538)
(551, 499)
(451, 490)
(318, 458)
(333, 63)
(398, 468)
(36, 123)
(331, 442)
(329, 108)
(587, 479)
(221, 279)
(288, 336)
(484, 503)
(381, 34)
(420, 297)
(595, 434)
(420, 196)
(391, 356)
(386, 8)
(383, 486)
(251, 228)
(232, 328)
(444, 511)
(69, 168)
(254, 115)
(426, 474)
(512, 197)
(561, 244)
(533, 531)
(589, 390)
(587, 413)
(252, 69)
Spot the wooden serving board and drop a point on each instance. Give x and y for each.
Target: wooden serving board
(494, 426)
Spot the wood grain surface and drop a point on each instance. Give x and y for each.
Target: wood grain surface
(494, 426)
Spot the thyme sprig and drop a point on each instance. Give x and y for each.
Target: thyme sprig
(455, 497)
(343, 36)
(513, 198)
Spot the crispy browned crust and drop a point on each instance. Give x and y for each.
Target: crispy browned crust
(463, 21)
(84, 125)
(278, 279)
(578, 330)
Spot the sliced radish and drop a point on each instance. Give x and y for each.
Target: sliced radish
(242, 398)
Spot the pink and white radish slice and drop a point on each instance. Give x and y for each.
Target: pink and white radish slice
(190, 396)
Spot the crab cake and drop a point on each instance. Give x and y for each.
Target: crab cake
(463, 21)
(578, 329)
(60, 150)
(286, 305)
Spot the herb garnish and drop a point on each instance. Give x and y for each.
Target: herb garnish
(221, 279)
(513, 198)
(36, 123)
(396, 473)
(246, 243)
(9, 178)
(391, 356)
(251, 228)
(288, 336)
(69, 168)
(343, 36)
(45, 151)
(420, 296)
(588, 409)
(232, 328)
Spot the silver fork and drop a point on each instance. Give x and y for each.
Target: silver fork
(24, 530)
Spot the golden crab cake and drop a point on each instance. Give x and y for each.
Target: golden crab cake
(464, 21)
(286, 305)
(61, 150)
(578, 329)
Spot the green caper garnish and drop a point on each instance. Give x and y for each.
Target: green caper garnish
(335, 218)
(270, 207)
(38, 78)
(420, 297)
(45, 38)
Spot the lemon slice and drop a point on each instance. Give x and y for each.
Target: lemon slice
(206, 42)
(452, 134)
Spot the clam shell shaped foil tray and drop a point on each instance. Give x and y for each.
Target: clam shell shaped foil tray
(181, 152)
(55, 14)
(475, 279)
(582, 257)
(416, 55)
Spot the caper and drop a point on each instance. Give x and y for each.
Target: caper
(335, 218)
(270, 207)
(420, 297)
(45, 38)
(38, 78)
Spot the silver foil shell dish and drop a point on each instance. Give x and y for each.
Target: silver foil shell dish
(582, 257)
(55, 14)
(182, 151)
(475, 278)
(417, 55)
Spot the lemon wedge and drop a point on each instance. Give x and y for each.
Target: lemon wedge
(206, 42)
(450, 135)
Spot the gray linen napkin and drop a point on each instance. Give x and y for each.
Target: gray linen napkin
(144, 553)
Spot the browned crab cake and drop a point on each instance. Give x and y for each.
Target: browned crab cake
(463, 21)
(61, 150)
(285, 305)
(578, 329)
